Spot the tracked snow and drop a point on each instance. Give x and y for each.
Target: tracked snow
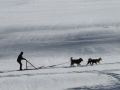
(52, 31)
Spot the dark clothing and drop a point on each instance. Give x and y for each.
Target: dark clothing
(20, 65)
(19, 59)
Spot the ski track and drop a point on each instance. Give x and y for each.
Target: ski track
(114, 86)
(74, 28)
(67, 67)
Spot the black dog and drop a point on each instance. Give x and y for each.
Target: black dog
(93, 61)
(76, 61)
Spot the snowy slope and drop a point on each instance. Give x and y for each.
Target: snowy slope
(70, 26)
(98, 77)
(50, 32)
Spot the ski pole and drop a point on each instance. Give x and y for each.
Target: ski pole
(26, 64)
(31, 64)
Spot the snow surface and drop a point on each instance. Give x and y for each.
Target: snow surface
(52, 31)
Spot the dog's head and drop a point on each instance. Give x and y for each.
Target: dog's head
(100, 59)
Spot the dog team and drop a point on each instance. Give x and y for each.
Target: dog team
(89, 62)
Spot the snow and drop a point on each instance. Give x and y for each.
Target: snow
(55, 78)
(54, 81)
(52, 31)
(61, 77)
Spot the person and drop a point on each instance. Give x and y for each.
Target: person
(19, 59)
